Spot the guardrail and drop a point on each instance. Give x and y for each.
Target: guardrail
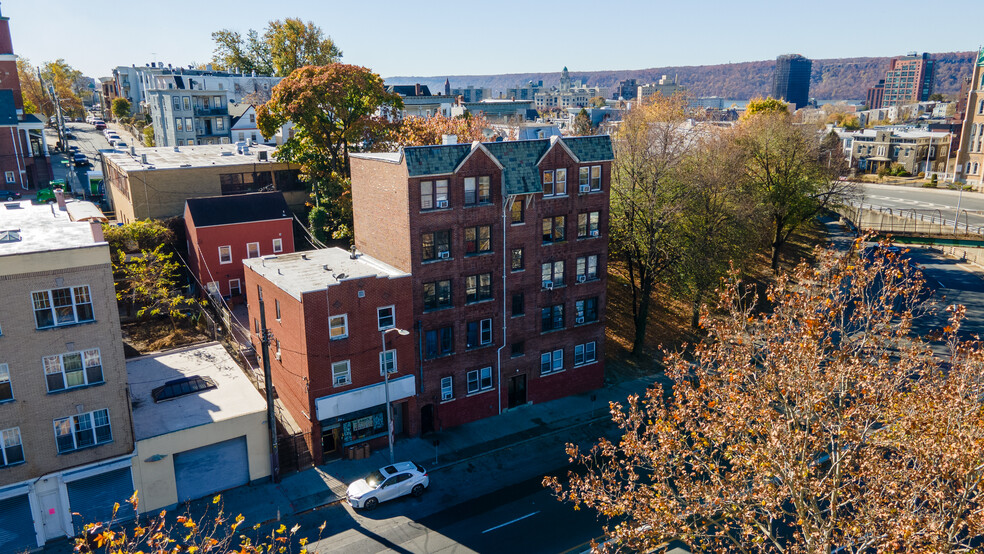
(911, 220)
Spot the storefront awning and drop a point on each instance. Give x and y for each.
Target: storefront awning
(343, 403)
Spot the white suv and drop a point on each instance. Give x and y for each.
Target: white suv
(387, 483)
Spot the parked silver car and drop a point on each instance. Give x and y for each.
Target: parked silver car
(387, 483)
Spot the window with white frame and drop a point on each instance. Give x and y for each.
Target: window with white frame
(10, 176)
(479, 333)
(480, 380)
(387, 361)
(6, 393)
(595, 178)
(63, 306)
(178, 124)
(447, 389)
(83, 430)
(552, 274)
(278, 246)
(477, 190)
(587, 225)
(433, 194)
(552, 362)
(252, 250)
(586, 310)
(225, 254)
(234, 287)
(338, 326)
(386, 317)
(12, 451)
(584, 354)
(72, 369)
(587, 268)
(341, 373)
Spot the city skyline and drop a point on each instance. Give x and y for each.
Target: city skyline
(441, 42)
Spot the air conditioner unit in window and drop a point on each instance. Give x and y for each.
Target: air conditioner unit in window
(442, 203)
(446, 396)
(584, 188)
(595, 233)
(444, 255)
(582, 278)
(579, 320)
(548, 285)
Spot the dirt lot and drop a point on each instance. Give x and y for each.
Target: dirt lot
(144, 336)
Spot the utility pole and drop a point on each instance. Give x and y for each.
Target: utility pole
(268, 384)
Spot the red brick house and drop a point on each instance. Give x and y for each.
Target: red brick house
(24, 161)
(328, 312)
(224, 230)
(507, 246)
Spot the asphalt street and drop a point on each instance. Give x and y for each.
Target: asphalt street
(950, 282)
(928, 202)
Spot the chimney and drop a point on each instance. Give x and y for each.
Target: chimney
(97, 231)
(416, 89)
(60, 198)
(449, 139)
(352, 253)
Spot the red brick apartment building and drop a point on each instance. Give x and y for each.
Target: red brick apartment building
(224, 230)
(327, 313)
(506, 243)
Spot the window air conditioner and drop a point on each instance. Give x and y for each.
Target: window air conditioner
(548, 285)
(444, 255)
(579, 320)
(584, 188)
(442, 203)
(595, 233)
(582, 278)
(446, 396)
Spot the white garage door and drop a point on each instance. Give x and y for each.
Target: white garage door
(210, 469)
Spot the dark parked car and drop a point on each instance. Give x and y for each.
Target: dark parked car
(9, 195)
(80, 159)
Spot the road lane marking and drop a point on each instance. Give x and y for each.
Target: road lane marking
(510, 522)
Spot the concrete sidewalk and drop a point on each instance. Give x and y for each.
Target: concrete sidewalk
(326, 484)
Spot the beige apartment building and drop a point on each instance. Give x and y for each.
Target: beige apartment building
(969, 167)
(66, 437)
(155, 182)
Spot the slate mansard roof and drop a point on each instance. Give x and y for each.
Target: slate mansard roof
(518, 158)
(238, 208)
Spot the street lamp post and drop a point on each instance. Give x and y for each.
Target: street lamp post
(383, 366)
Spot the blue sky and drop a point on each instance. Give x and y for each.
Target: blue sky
(426, 38)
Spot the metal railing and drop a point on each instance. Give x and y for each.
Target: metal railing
(912, 220)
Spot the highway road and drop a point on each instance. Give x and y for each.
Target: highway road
(941, 203)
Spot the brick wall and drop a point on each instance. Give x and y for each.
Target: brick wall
(380, 193)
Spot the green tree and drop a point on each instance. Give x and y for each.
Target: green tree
(121, 108)
(582, 124)
(647, 198)
(335, 109)
(284, 46)
(765, 105)
(150, 279)
(148, 135)
(786, 172)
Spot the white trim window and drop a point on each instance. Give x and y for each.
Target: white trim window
(65, 306)
(478, 333)
(584, 354)
(447, 389)
(552, 362)
(72, 369)
(341, 373)
(235, 289)
(225, 254)
(338, 327)
(587, 268)
(6, 392)
(387, 361)
(386, 317)
(10, 177)
(278, 246)
(252, 250)
(480, 380)
(83, 430)
(12, 451)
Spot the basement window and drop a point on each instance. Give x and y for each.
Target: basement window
(182, 387)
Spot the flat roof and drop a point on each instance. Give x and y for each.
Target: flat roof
(300, 272)
(201, 155)
(233, 396)
(45, 228)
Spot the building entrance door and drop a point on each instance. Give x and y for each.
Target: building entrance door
(331, 444)
(208, 126)
(517, 391)
(427, 419)
(51, 515)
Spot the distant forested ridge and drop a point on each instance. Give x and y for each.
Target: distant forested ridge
(840, 78)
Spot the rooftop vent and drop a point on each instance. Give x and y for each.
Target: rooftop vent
(352, 253)
(143, 158)
(12, 205)
(182, 387)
